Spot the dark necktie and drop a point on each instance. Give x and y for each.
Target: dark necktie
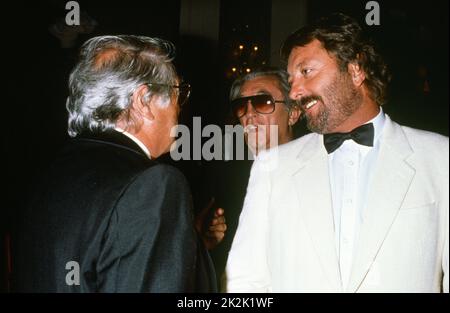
(362, 135)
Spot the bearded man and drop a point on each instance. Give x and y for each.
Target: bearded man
(359, 205)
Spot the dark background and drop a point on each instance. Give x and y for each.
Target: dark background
(413, 37)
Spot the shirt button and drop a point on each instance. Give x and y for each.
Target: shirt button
(350, 163)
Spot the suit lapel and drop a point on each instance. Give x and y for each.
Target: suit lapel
(312, 181)
(388, 189)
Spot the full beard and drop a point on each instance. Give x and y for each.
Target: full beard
(343, 100)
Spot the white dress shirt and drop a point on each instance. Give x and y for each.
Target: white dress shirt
(351, 169)
(137, 141)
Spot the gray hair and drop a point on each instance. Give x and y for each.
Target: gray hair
(109, 71)
(280, 75)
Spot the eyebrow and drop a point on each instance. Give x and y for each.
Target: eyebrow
(300, 64)
(309, 62)
(258, 92)
(296, 67)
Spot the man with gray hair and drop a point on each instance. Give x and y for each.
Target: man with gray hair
(106, 217)
(260, 102)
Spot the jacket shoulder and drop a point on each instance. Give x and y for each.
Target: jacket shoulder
(160, 183)
(284, 156)
(426, 141)
(163, 174)
(301, 141)
(294, 147)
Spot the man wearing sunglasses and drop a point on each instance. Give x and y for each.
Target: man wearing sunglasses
(260, 102)
(106, 216)
(359, 205)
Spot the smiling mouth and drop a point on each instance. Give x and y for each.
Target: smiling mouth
(310, 104)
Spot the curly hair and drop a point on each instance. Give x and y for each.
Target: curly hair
(344, 38)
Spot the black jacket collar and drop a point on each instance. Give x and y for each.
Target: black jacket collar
(112, 137)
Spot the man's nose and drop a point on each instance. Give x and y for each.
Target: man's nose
(250, 110)
(297, 89)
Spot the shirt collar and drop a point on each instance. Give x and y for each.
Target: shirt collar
(378, 125)
(137, 141)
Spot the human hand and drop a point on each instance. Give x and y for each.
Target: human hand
(212, 233)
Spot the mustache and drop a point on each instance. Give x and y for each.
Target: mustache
(305, 100)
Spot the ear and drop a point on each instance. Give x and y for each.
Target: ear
(294, 115)
(356, 73)
(141, 107)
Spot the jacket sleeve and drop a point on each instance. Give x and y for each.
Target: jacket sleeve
(247, 267)
(150, 244)
(444, 203)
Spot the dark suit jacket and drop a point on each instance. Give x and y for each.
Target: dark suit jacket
(126, 220)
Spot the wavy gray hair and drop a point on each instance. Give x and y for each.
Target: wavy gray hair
(280, 75)
(109, 71)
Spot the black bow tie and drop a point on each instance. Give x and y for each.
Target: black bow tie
(362, 135)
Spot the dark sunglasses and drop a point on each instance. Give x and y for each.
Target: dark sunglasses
(182, 91)
(263, 104)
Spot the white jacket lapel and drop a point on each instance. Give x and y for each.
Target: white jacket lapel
(391, 182)
(312, 181)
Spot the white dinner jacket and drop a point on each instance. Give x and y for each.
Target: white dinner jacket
(285, 239)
